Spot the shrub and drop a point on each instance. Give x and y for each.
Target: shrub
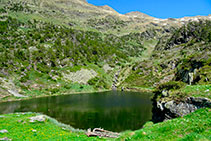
(171, 85)
(93, 81)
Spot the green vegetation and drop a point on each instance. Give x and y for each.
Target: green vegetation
(43, 44)
(19, 128)
(171, 85)
(176, 60)
(195, 126)
(197, 91)
(39, 53)
(33, 45)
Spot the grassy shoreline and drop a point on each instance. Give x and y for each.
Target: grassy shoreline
(40, 96)
(132, 89)
(195, 126)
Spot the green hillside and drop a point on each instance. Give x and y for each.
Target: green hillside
(57, 47)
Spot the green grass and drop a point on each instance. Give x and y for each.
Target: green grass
(198, 90)
(191, 91)
(19, 128)
(23, 17)
(195, 126)
(185, 92)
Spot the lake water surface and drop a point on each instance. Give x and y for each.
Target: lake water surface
(114, 111)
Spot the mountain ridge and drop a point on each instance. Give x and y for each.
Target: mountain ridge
(81, 14)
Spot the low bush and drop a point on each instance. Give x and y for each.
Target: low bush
(171, 85)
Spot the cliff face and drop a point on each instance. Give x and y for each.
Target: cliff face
(165, 110)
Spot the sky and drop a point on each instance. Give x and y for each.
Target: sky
(159, 8)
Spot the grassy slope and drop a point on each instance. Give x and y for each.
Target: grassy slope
(199, 130)
(72, 53)
(20, 128)
(174, 57)
(195, 126)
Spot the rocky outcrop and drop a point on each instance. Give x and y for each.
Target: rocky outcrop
(115, 81)
(8, 88)
(82, 76)
(40, 118)
(171, 109)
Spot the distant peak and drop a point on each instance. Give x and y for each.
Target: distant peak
(106, 7)
(137, 14)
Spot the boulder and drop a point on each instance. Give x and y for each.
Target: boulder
(164, 110)
(40, 118)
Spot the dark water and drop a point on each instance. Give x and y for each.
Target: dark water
(114, 111)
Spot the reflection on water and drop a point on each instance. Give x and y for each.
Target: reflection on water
(115, 111)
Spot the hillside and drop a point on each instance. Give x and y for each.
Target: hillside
(63, 46)
(57, 47)
(82, 15)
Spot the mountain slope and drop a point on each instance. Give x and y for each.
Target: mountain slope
(44, 45)
(80, 14)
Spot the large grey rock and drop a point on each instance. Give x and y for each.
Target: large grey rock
(40, 118)
(167, 110)
(199, 101)
(180, 109)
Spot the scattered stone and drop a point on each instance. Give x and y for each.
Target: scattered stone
(15, 93)
(207, 90)
(5, 139)
(3, 131)
(165, 93)
(107, 68)
(40, 118)
(2, 116)
(82, 76)
(144, 133)
(132, 133)
(19, 120)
